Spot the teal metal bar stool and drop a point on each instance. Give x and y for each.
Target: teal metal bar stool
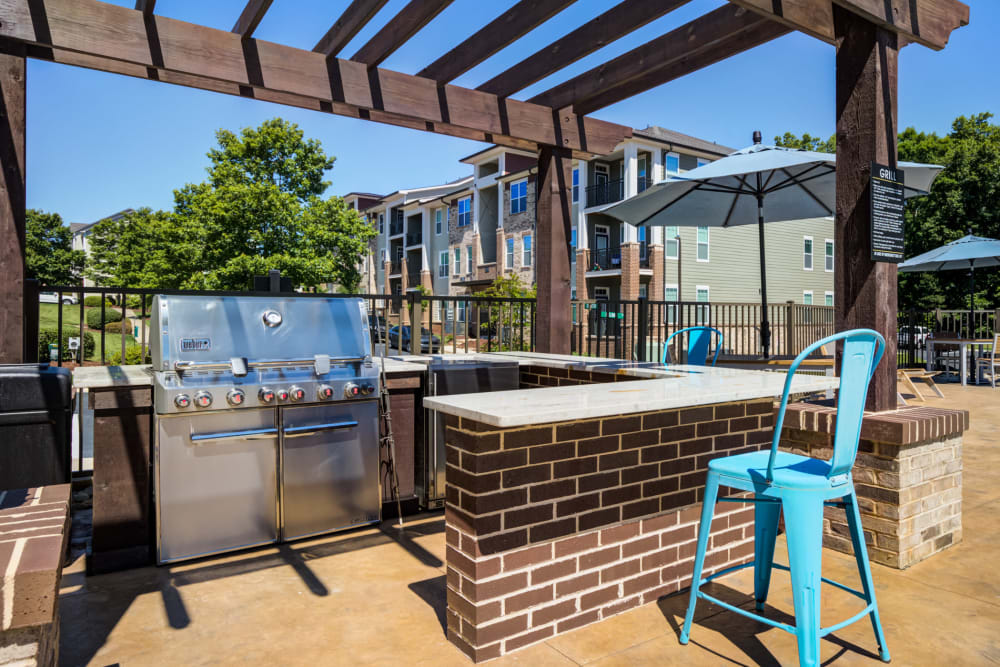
(699, 340)
(800, 486)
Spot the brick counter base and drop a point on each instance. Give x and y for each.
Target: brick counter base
(908, 477)
(556, 526)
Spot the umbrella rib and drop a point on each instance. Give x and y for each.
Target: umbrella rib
(808, 192)
(791, 181)
(736, 199)
(784, 183)
(669, 204)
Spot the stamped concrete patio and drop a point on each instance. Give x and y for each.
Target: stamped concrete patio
(378, 597)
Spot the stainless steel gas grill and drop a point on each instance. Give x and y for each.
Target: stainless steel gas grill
(267, 421)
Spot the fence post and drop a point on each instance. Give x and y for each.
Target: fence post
(416, 324)
(789, 328)
(643, 327)
(996, 318)
(30, 330)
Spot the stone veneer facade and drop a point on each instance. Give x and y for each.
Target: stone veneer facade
(555, 526)
(908, 477)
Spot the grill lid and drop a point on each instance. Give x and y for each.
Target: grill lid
(202, 332)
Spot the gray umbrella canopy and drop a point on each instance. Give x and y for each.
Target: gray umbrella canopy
(757, 184)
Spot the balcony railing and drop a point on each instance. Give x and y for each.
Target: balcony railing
(413, 279)
(643, 254)
(396, 267)
(396, 228)
(415, 238)
(606, 259)
(605, 193)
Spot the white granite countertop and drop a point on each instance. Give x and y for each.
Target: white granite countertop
(669, 387)
(95, 377)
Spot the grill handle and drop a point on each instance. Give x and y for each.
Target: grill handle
(249, 434)
(300, 431)
(264, 363)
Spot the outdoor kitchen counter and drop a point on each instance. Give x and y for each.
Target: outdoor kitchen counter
(652, 388)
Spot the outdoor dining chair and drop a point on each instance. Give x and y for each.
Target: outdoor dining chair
(988, 363)
(699, 340)
(800, 487)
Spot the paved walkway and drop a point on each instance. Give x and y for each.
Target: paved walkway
(377, 597)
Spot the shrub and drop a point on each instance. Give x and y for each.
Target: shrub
(133, 355)
(49, 336)
(135, 302)
(124, 326)
(94, 317)
(94, 300)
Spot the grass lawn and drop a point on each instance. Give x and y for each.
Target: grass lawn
(48, 318)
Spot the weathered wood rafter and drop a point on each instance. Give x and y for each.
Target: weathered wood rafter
(400, 28)
(498, 33)
(597, 33)
(355, 17)
(250, 17)
(926, 22)
(108, 37)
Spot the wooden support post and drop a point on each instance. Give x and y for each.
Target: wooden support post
(867, 58)
(553, 271)
(12, 197)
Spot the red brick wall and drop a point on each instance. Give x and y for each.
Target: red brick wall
(555, 526)
(539, 376)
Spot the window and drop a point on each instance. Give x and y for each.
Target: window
(829, 255)
(643, 291)
(807, 253)
(519, 196)
(382, 255)
(602, 293)
(381, 223)
(702, 162)
(526, 250)
(670, 294)
(703, 244)
(642, 168)
(829, 299)
(438, 220)
(458, 261)
(671, 244)
(510, 253)
(576, 185)
(807, 297)
(443, 265)
(464, 211)
(461, 311)
(572, 242)
(468, 259)
(701, 311)
(672, 163)
(436, 310)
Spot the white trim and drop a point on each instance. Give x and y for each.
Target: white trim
(811, 254)
(446, 254)
(527, 253)
(809, 293)
(670, 154)
(514, 184)
(603, 289)
(509, 252)
(702, 313)
(832, 256)
(439, 224)
(670, 239)
(708, 244)
(828, 293)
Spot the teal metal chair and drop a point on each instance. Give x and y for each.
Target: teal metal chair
(699, 340)
(800, 487)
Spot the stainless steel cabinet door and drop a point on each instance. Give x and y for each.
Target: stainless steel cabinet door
(329, 468)
(216, 482)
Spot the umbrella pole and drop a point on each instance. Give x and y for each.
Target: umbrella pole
(765, 325)
(972, 299)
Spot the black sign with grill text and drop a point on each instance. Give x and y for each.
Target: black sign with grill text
(887, 204)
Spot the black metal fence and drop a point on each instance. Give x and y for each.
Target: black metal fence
(915, 327)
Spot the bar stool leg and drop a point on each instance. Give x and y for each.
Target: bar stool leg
(804, 533)
(864, 569)
(765, 533)
(707, 510)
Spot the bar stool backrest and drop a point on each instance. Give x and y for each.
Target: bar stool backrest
(863, 349)
(699, 340)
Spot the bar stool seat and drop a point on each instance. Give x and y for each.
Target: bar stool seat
(800, 487)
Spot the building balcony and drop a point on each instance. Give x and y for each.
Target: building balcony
(396, 228)
(612, 191)
(413, 279)
(396, 268)
(606, 259)
(415, 238)
(643, 255)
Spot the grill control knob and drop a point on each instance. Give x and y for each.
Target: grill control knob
(182, 400)
(282, 394)
(368, 388)
(236, 397)
(266, 395)
(296, 394)
(203, 399)
(325, 392)
(351, 390)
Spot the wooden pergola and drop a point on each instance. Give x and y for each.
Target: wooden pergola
(139, 43)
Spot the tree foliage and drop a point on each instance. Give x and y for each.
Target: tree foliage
(143, 248)
(50, 257)
(807, 142)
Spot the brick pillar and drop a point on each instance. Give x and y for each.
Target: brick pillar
(582, 294)
(502, 253)
(427, 282)
(386, 269)
(629, 291)
(477, 253)
(656, 263)
(404, 279)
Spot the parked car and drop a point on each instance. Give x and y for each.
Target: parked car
(52, 297)
(428, 341)
(376, 326)
(917, 334)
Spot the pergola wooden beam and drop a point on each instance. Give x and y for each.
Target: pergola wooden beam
(398, 30)
(355, 17)
(251, 17)
(597, 33)
(498, 33)
(145, 6)
(926, 22)
(112, 38)
(674, 50)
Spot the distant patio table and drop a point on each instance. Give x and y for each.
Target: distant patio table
(963, 345)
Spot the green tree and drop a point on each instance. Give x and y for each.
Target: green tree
(262, 208)
(144, 248)
(50, 256)
(507, 320)
(807, 142)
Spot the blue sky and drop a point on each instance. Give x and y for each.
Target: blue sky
(98, 143)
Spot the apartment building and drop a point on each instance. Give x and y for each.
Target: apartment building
(81, 235)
